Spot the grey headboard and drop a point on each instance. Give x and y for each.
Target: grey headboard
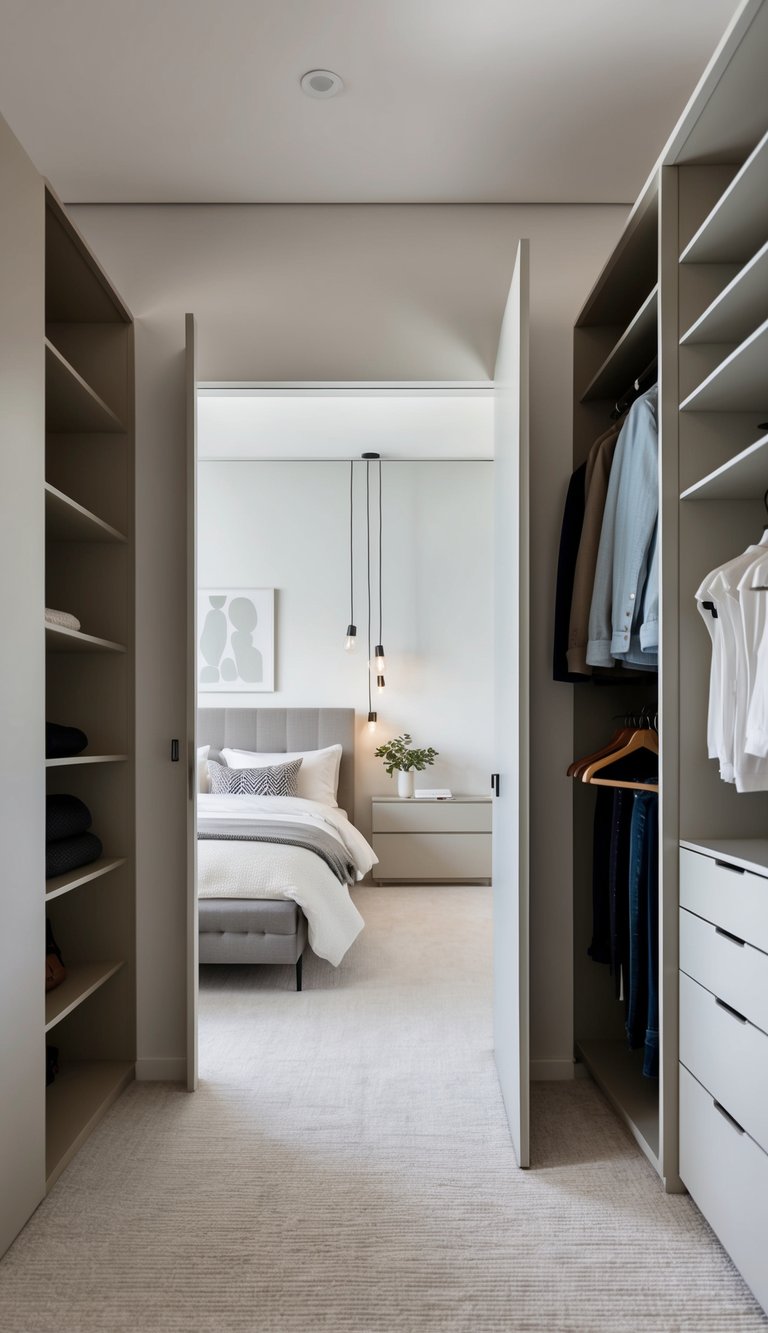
(279, 730)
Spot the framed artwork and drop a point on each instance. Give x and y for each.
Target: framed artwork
(236, 640)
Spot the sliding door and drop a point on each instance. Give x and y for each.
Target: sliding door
(190, 388)
(510, 816)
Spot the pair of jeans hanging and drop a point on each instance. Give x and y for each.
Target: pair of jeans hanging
(643, 986)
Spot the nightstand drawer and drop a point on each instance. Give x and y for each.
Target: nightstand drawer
(438, 856)
(431, 816)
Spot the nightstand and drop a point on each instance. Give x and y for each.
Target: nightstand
(432, 840)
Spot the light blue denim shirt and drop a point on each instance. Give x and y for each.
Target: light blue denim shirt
(623, 618)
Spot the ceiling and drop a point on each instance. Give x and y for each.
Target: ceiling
(446, 101)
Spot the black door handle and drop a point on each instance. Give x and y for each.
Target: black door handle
(495, 783)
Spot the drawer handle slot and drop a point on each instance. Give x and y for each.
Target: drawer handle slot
(729, 1009)
(726, 865)
(726, 934)
(727, 1116)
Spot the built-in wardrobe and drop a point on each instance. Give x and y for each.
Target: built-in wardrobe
(66, 542)
(687, 287)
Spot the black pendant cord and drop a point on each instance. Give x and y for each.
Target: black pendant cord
(381, 613)
(351, 542)
(368, 544)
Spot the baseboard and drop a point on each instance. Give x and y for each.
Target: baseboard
(552, 1071)
(162, 1069)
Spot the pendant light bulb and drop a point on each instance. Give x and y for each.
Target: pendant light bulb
(350, 643)
(379, 662)
(372, 720)
(380, 682)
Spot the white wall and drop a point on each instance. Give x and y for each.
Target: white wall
(285, 526)
(345, 292)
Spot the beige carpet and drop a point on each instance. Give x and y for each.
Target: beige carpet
(346, 1168)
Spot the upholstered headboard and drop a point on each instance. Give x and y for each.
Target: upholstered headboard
(280, 730)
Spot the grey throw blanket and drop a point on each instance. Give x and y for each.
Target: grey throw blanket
(312, 839)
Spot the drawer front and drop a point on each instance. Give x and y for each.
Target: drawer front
(733, 899)
(732, 970)
(727, 1176)
(431, 816)
(432, 856)
(727, 1055)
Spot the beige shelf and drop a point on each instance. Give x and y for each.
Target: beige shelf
(77, 290)
(83, 979)
(86, 759)
(58, 640)
(618, 1072)
(75, 1102)
(739, 383)
(71, 405)
(631, 354)
(737, 225)
(738, 309)
(744, 477)
(68, 521)
(58, 885)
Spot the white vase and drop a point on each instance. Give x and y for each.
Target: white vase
(405, 784)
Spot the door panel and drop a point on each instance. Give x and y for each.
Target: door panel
(511, 804)
(192, 932)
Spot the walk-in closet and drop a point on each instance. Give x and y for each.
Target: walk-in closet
(683, 302)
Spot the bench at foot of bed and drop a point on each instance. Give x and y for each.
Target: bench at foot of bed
(252, 930)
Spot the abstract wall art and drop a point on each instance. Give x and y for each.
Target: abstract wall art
(236, 640)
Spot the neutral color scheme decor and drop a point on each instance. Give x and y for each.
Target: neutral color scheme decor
(236, 640)
(346, 1166)
(432, 839)
(318, 776)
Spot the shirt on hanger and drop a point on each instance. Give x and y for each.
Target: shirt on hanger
(598, 474)
(757, 711)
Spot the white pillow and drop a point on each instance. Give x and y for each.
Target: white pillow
(203, 777)
(318, 778)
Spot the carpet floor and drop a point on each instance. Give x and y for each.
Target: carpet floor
(346, 1168)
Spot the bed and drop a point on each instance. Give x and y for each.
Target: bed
(274, 871)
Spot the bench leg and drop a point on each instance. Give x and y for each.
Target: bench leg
(299, 962)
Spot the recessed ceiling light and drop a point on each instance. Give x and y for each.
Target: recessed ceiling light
(321, 83)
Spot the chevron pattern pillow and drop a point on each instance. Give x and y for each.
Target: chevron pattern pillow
(274, 780)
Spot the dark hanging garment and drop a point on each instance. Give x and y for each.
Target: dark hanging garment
(600, 948)
(570, 536)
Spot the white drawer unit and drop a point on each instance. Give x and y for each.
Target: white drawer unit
(724, 1044)
(432, 840)
(727, 1175)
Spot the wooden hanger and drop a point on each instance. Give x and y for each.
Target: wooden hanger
(619, 738)
(644, 738)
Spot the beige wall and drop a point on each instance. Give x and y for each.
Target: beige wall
(340, 292)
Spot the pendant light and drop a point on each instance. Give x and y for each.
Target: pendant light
(379, 662)
(350, 642)
(372, 716)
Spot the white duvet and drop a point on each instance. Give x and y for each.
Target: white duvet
(271, 870)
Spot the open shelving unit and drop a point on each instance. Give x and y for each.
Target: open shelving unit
(739, 383)
(743, 477)
(735, 228)
(737, 309)
(630, 354)
(89, 391)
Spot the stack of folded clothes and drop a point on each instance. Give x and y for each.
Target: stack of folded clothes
(68, 844)
(61, 619)
(63, 742)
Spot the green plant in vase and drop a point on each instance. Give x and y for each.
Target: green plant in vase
(401, 756)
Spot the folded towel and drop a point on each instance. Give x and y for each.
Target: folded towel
(64, 619)
(71, 853)
(65, 817)
(63, 742)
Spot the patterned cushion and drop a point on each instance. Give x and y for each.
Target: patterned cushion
(276, 780)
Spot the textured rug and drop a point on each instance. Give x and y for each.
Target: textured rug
(346, 1168)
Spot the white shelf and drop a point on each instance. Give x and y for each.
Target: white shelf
(87, 759)
(75, 1102)
(619, 1073)
(58, 640)
(71, 405)
(58, 885)
(738, 224)
(747, 853)
(739, 383)
(744, 477)
(738, 308)
(630, 355)
(68, 521)
(82, 980)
